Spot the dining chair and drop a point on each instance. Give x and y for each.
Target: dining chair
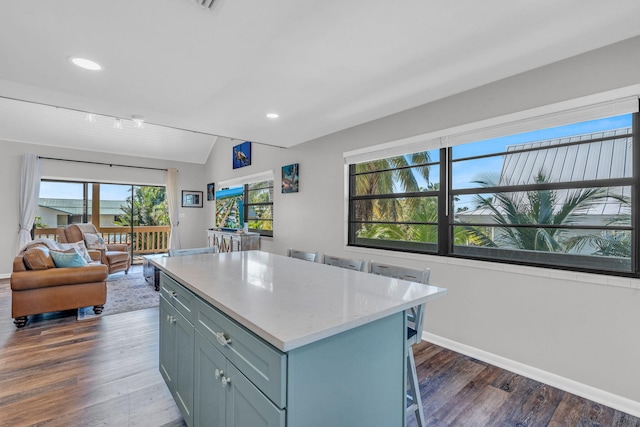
(415, 323)
(351, 264)
(193, 251)
(307, 256)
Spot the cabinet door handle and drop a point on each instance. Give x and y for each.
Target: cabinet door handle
(225, 381)
(222, 339)
(218, 373)
(172, 320)
(173, 294)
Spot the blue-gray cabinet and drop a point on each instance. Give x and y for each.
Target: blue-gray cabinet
(225, 397)
(176, 356)
(222, 374)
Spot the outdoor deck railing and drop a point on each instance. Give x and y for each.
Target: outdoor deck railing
(146, 239)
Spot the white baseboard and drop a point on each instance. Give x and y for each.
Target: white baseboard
(5, 276)
(620, 403)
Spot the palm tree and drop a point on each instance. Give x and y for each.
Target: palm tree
(517, 213)
(386, 176)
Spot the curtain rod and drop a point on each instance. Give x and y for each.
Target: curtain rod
(100, 163)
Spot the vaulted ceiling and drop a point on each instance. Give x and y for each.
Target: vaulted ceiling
(196, 72)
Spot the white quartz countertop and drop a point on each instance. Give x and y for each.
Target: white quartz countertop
(290, 302)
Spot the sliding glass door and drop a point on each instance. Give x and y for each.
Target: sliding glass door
(122, 213)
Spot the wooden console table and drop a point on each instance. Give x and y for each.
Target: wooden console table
(232, 241)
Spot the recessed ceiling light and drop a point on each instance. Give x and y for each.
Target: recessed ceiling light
(87, 64)
(273, 115)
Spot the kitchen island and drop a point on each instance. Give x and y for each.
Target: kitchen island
(257, 339)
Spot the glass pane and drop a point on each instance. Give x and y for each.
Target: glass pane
(60, 204)
(536, 157)
(410, 209)
(589, 249)
(261, 224)
(593, 242)
(261, 184)
(600, 207)
(421, 158)
(397, 232)
(260, 212)
(598, 160)
(591, 129)
(264, 195)
(419, 178)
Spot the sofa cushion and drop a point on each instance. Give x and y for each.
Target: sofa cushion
(94, 241)
(80, 246)
(63, 259)
(38, 258)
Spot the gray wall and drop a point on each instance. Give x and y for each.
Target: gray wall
(189, 178)
(581, 327)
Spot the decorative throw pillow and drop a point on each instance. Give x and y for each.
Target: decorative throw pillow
(94, 241)
(38, 258)
(80, 246)
(63, 259)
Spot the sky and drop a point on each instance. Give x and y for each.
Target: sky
(464, 173)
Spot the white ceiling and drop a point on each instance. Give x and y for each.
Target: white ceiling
(322, 65)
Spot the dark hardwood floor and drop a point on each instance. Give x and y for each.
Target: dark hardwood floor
(104, 372)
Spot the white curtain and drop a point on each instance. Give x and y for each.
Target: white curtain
(29, 193)
(173, 204)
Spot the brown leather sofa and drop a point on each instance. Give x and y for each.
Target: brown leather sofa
(115, 256)
(37, 286)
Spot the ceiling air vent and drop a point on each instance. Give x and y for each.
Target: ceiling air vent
(206, 4)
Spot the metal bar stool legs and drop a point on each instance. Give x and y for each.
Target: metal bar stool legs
(414, 399)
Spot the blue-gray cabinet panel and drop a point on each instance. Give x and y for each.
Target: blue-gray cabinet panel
(209, 407)
(260, 362)
(246, 406)
(356, 378)
(176, 357)
(178, 296)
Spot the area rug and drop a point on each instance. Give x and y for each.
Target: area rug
(125, 292)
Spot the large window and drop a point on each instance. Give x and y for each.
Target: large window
(250, 203)
(560, 197)
(136, 215)
(394, 202)
(258, 201)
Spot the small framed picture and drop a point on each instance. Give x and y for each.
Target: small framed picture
(290, 178)
(242, 155)
(211, 191)
(191, 199)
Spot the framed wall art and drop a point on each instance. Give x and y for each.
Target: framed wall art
(211, 191)
(242, 155)
(191, 199)
(290, 178)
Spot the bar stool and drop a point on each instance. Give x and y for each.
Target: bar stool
(415, 323)
(307, 256)
(351, 264)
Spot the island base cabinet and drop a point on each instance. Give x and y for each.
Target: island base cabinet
(225, 397)
(176, 357)
(356, 378)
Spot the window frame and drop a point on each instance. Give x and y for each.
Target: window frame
(245, 198)
(446, 217)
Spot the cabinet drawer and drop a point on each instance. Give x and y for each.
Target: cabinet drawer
(178, 296)
(261, 363)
